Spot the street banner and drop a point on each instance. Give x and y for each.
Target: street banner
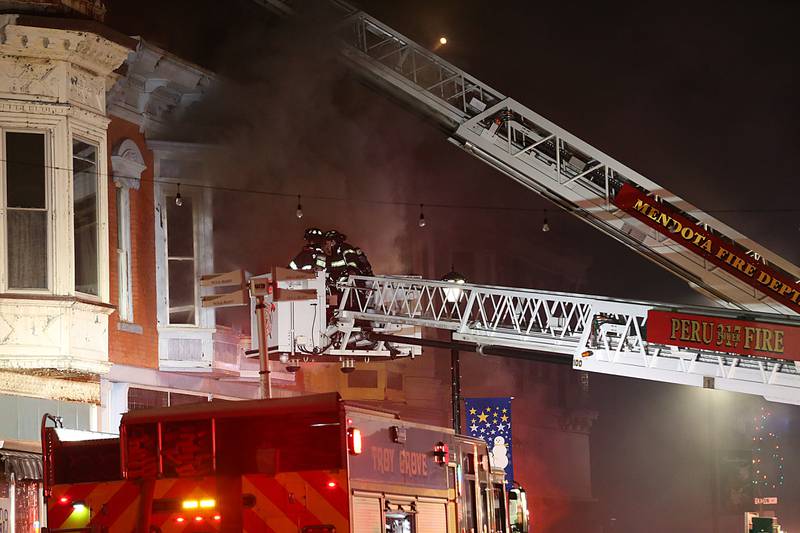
(744, 337)
(490, 419)
(724, 253)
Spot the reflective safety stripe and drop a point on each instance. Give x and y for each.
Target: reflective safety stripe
(293, 265)
(338, 263)
(324, 501)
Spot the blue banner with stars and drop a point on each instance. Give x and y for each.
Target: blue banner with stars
(490, 420)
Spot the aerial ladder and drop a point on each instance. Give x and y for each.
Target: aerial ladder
(566, 170)
(747, 281)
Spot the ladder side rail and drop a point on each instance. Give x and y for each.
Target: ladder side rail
(383, 52)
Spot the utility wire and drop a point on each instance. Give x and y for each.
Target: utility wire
(398, 203)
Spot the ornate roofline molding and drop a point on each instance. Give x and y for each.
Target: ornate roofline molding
(158, 87)
(90, 51)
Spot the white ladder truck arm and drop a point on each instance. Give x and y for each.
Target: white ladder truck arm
(716, 260)
(606, 335)
(758, 291)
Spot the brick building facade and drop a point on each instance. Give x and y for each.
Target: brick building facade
(131, 331)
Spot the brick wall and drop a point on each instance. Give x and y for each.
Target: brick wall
(127, 347)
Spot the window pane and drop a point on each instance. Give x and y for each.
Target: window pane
(181, 291)
(120, 219)
(84, 179)
(180, 231)
(27, 249)
(145, 398)
(25, 170)
(176, 398)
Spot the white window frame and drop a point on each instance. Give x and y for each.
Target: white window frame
(168, 196)
(173, 163)
(124, 253)
(91, 134)
(102, 242)
(127, 166)
(48, 133)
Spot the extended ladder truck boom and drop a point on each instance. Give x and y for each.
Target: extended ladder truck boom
(716, 260)
(747, 345)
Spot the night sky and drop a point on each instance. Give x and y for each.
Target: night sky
(700, 98)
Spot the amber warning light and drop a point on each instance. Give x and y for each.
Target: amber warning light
(354, 441)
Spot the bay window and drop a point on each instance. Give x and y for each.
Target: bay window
(26, 210)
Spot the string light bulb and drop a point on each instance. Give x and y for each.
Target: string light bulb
(299, 212)
(178, 199)
(422, 223)
(545, 225)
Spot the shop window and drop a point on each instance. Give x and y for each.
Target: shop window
(180, 262)
(26, 513)
(27, 210)
(146, 398)
(176, 398)
(149, 398)
(85, 210)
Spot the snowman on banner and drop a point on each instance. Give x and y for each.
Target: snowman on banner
(499, 453)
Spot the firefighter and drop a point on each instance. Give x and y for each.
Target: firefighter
(337, 251)
(362, 263)
(312, 256)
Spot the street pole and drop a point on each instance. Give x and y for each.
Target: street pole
(455, 387)
(264, 383)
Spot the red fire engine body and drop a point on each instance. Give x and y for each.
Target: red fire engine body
(310, 464)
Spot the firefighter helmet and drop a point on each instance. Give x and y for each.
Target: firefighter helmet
(313, 235)
(335, 236)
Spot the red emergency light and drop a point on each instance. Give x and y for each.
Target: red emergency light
(354, 441)
(440, 452)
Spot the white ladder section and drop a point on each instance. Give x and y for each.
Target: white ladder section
(545, 158)
(600, 334)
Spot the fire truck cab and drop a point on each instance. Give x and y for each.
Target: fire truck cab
(309, 464)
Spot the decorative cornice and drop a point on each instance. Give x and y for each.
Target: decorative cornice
(89, 51)
(157, 88)
(56, 365)
(26, 111)
(51, 387)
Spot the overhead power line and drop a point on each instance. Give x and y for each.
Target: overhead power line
(373, 201)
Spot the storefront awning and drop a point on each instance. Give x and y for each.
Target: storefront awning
(24, 465)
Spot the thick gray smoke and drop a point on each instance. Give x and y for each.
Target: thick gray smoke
(290, 120)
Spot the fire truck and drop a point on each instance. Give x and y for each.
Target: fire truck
(310, 464)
